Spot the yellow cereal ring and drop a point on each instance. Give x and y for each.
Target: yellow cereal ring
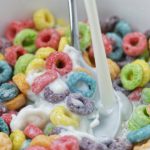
(44, 52)
(17, 137)
(61, 116)
(35, 64)
(20, 80)
(5, 142)
(43, 140)
(2, 56)
(61, 22)
(63, 42)
(146, 70)
(43, 18)
(80, 69)
(86, 58)
(16, 102)
(113, 69)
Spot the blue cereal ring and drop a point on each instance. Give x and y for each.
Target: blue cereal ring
(76, 81)
(5, 72)
(117, 51)
(8, 91)
(3, 126)
(26, 144)
(139, 135)
(122, 28)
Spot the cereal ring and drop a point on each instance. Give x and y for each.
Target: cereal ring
(117, 51)
(43, 80)
(61, 116)
(59, 61)
(3, 126)
(146, 70)
(1, 57)
(131, 76)
(32, 131)
(113, 68)
(148, 109)
(48, 128)
(145, 56)
(30, 115)
(81, 69)
(139, 118)
(61, 22)
(12, 29)
(5, 142)
(43, 18)
(62, 43)
(68, 142)
(48, 38)
(22, 63)
(88, 60)
(81, 77)
(43, 140)
(122, 28)
(16, 102)
(25, 144)
(62, 31)
(13, 53)
(6, 72)
(17, 137)
(8, 91)
(139, 135)
(26, 38)
(146, 95)
(79, 104)
(36, 64)
(109, 24)
(134, 44)
(3, 109)
(52, 97)
(44, 52)
(135, 95)
(20, 80)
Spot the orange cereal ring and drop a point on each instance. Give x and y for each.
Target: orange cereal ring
(43, 140)
(16, 102)
(80, 69)
(5, 142)
(86, 58)
(20, 80)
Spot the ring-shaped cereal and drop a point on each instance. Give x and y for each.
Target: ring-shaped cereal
(36, 64)
(48, 38)
(131, 76)
(22, 63)
(5, 142)
(10, 91)
(17, 137)
(146, 71)
(59, 61)
(61, 116)
(6, 72)
(20, 80)
(16, 102)
(116, 42)
(25, 144)
(145, 95)
(1, 57)
(81, 69)
(79, 104)
(43, 18)
(134, 44)
(3, 126)
(44, 52)
(26, 38)
(87, 80)
(62, 43)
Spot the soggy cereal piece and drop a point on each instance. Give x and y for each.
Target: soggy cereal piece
(43, 18)
(5, 142)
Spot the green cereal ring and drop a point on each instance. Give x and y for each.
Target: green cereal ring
(3, 126)
(139, 118)
(48, 129)
(131, 76)
(146, 95)
(22, 63)
(26, 38)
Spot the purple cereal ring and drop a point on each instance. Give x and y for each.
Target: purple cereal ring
(79, 104)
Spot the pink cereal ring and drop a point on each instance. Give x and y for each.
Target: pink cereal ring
(48, 38)
(43, 80)
(32, 131)
(134, 44)
(28, 24)
(36, 148)
(13, 53)
(60, 62)
(12, 29)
